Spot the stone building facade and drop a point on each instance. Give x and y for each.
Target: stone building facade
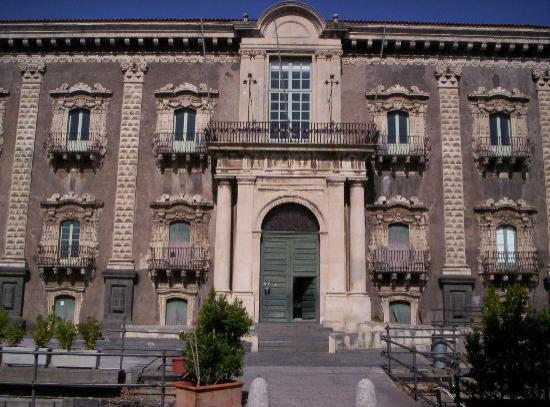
(325, 170)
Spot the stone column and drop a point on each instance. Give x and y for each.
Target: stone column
(456, 281)
(12, 263)
(542, 80)
(357, 238)
(120, 272)
(222, 258)
(242, 265)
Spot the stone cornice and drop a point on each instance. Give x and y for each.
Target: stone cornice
(397, 90)
(168, 201)
(397, 201)
(504, 203)
(83, 200)
(96, 90)
(513, 96)
(170, 90)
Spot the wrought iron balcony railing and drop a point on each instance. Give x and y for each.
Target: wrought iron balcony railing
(179, 143)
(358, 135)
(63, 143)
(515, 148)
(384, 261)
(415, 147)
(193, 258)
(510, 263)
(75, 256)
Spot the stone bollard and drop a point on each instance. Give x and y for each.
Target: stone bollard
(258, 395)
(365, 395)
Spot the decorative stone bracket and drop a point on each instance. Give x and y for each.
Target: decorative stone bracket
(77, 153)
(515, 157)
(415, 155)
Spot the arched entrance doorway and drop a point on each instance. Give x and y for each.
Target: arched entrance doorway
(289, 280)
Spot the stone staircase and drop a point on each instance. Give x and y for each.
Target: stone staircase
(292, 337)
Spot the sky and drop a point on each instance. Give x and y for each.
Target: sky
(534, 12)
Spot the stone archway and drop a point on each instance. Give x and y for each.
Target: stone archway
(289, 264)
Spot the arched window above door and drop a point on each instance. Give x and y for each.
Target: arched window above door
(290, 217)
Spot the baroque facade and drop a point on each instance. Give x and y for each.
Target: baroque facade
(326, 170)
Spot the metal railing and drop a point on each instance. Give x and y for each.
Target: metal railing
(415, 147)
(385, 260)
(501, 262)
(178, 258)
(62, 142)
(121, 352)
(417, 365)
(179, 143)
(69, 256)
(516, 147)
(347, 134)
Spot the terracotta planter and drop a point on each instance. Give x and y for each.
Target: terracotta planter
(216, 395)
(179, 366)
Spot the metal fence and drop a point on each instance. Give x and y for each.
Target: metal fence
(402, 359)
(121, 352)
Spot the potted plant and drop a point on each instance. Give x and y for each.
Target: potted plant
(13, 335)
(179, 365)
(65, 333)
(214, 355)
(90, 330)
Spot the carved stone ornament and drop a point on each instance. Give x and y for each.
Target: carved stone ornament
(252, 53)
(134, 69)
(505, 212)
(541, 76)
(95, 98)
(3, 96)
(32, 69)
(398, 209)
(483, 103)
(447, 75)
(84, 208)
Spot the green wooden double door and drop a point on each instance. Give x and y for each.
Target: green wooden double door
(289, 280)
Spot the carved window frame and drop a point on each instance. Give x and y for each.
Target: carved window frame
(398, 210)
(505, 212)
(95, 98)
(388, 297)
(413, 101)
(485, 102)
(52, 292)
(166, 294)
(84, 208)
(3, 97)
(180, 208)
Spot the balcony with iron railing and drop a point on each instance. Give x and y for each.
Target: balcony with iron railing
(178, 262)
(287, 136)
(399, 266)
(410, 156)
(67, 258)
(170, 148)
(501, 266)
(512, 156)
(65, 146)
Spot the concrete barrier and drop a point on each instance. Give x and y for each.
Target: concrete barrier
(365, 396)
(258, 395)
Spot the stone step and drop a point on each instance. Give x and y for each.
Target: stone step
(293, 347)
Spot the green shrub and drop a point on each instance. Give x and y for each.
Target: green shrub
(4, 322)
(44, 330)
(65, 333)
(15, 333)
(213, 349)
(508, 354)
(90, 331)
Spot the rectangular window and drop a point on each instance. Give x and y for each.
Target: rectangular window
(506, 244)
(78, 128)
(499, 125)
(290, 97)
(184, 125)
(69, 239)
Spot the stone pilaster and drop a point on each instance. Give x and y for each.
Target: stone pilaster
(453, 189)
(222, 257)
(3, 96)
(12, 264)
(120, 269)
(357, 238)
(242, 266)
(542, 80)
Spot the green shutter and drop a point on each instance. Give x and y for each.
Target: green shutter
(400, 312)
(64, 307)
(176, 312)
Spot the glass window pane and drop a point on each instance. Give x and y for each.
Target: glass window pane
(73, 124)
(190, 130)
(505, 130)
(493, 129)
(392, 117)
(85, 125)
(403, 127)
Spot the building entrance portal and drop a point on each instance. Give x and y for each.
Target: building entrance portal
(289, 283)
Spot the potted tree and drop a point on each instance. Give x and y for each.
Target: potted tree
(214, 355)
(90, 330)
(13, 335)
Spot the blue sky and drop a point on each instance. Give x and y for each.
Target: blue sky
(472, 11)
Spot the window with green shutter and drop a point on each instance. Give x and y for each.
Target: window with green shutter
(180, 234)
(64, 307)
(398, 237)
(176, 312)
(400, 312)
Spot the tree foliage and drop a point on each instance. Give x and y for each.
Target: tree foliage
(213, 349)
(509, 353)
